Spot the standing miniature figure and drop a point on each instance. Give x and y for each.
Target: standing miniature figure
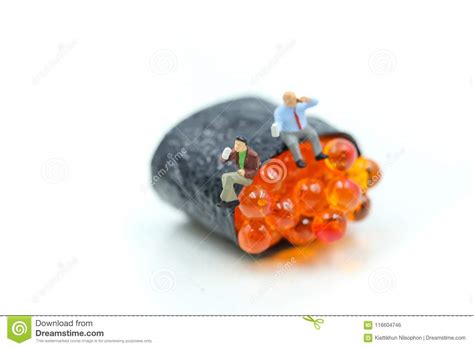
(291, 125)
(247, 160)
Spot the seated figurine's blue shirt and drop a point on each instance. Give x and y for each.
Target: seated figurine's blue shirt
(285, 116)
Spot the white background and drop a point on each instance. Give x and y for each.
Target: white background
(88, 89)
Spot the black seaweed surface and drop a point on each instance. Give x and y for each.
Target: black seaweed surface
(186, 171)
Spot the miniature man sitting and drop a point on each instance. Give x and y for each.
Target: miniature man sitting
(292, 126)
(247, 161)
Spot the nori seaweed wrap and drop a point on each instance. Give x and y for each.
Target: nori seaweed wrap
(186, 170)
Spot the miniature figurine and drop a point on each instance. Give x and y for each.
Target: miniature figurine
(247, 160)
(291, 125)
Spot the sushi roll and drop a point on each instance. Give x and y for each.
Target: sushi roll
(186, 172)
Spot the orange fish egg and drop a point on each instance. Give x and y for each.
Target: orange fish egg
(301, 234)
(239, 219)
(329, 225)
(358, 173)
(255, 237)
(375, 174)
(343, 194)
(283, 215)
(342, 154)
(255, 202)
(362, 210)
(309, 196)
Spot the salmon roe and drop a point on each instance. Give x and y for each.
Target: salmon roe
(303, 205)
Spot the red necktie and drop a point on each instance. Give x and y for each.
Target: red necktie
(297, 119)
